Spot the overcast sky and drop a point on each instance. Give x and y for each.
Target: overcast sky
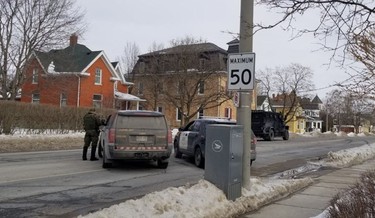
(111, 24)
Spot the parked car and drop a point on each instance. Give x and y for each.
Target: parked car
(268, 125)
(191, 139)
(136, 135)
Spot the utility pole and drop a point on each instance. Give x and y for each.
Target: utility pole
(244, 109)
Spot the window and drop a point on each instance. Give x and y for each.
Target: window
(178, 114)
(35, 98)
(35, 76)
(63, 100)
(228, 112)
(160, 109)
(201, 88)
(140, 88)
(160, 87)
(201, 63)
(116, 85)
(200, 113)
(97, 101)
(98, 76)
(180, 87)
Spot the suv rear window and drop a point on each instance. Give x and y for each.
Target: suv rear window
(141, 122)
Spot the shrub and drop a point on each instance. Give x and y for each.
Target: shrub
(358, 201)
(36, 118)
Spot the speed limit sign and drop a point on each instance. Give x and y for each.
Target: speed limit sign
(241, 69)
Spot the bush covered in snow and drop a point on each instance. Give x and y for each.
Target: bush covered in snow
(357, 201)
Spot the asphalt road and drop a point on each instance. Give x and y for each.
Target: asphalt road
(60, 184)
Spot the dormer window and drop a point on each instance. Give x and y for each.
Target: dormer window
(98, 76)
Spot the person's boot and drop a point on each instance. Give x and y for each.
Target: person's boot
(84, 153)
(93, 151)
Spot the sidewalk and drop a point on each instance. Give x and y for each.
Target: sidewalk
(313, 200)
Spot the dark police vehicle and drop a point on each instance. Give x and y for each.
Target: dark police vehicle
(191, 140)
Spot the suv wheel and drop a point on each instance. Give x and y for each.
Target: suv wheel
(286, 135)
(177, 153)
(198, 157)
(162, 164)
(106, 163)
(271, 135)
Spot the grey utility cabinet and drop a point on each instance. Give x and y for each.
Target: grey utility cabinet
(223, 153)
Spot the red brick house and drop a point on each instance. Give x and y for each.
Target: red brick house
(75, 76)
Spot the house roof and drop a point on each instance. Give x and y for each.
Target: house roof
(200, 47)
(233, 46)
(317, 100)
(74, 58)
(127, 96)
(261, 99)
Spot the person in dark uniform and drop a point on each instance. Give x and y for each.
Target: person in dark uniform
(91, 123)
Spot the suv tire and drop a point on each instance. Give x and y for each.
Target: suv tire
(286, 135)
(270, 136)
(198, 157)
(162, 164)
(106, 164)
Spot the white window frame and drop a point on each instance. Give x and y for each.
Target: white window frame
(35, 77)
(140, 88)
(201, 88)
(63, 100)
(178, 115)
(228, 112)
(97, 103)
(35, 99)
(159, 109)
(98, 76)
(200, 113)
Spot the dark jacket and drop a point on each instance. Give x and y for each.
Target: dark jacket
(91, 121)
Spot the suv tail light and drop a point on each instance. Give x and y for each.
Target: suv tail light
(169, 136)
(111, 136)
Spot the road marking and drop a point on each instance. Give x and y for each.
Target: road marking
(42, 177)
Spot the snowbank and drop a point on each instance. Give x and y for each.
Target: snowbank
(203, 200)
(349, 157)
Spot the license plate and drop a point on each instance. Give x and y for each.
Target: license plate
(141, 138)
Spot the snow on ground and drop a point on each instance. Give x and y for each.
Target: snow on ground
(205, 200)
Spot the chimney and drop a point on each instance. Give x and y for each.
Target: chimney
(73, 39)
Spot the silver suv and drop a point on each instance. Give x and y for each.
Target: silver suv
(136, 135)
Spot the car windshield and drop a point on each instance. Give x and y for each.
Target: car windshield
(141, 122)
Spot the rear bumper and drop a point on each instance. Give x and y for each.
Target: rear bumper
(140, 154)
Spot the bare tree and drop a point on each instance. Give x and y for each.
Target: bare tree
(348, 109)
(27, 26)
(291, 83)
(362, 79)
(340, 21)
(188, 69)
(130, 57)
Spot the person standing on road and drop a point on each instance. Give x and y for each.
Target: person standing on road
(91, 123)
